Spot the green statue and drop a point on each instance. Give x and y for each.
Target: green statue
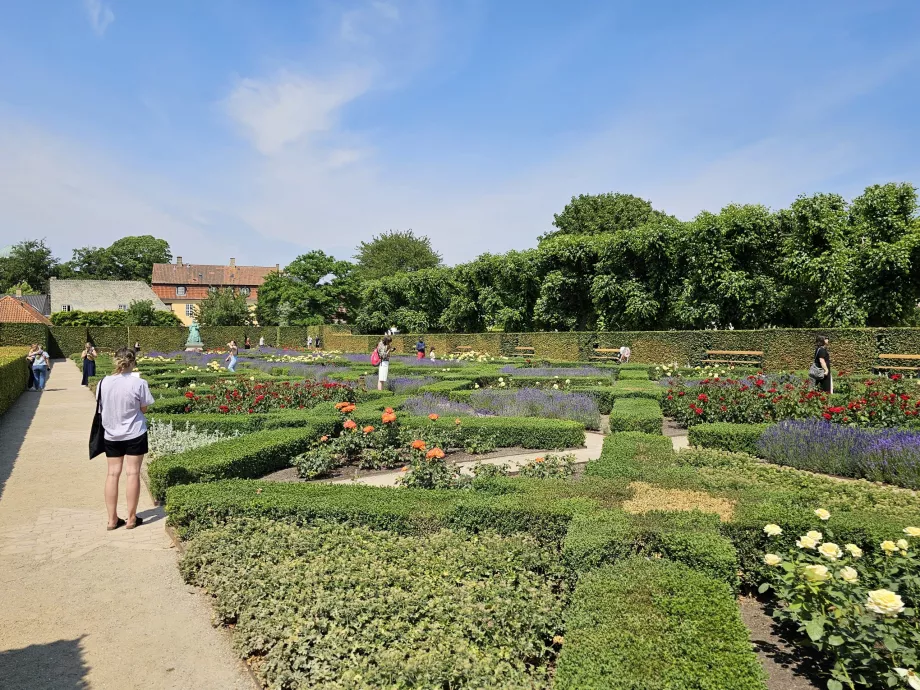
(194, 337)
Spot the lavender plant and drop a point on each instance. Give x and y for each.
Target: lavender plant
(535, 402)
(428, 403)
(884, 455)
(561, 372)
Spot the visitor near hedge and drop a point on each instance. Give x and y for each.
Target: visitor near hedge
(309, 341)
(124, 399)
(431, 353)
(137, 347)
(34, 348)
(261, 341)
(420, 349)
(383, 369)
(233, 351)
(625, 354)
(41, 367)
(89, 363)
(246, 344)
(823, 361)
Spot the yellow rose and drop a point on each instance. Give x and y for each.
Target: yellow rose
(772, 559)
(902, 544)
(884, 602)
(912, 531)
(854, 550)
(773, 530)
(889, 546)
(849, 575)
(806, 542)
(816, 573)
(830, 551)
(814, 534)
(823, 514)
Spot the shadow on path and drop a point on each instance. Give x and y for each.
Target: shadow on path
(13, 427)
(53, 666)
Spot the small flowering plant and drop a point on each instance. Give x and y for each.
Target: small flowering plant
(857, 609)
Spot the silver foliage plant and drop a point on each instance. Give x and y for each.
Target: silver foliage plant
(166, 439)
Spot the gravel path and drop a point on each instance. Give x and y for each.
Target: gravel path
(81, 607)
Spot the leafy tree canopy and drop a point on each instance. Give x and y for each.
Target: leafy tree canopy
(395, 252)
(130, 258)
(315, 288)
(30, 262)
(593, 214)
(224, 307)
(140, 313)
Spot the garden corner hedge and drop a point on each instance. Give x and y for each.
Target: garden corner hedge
(727, 436)
(14, 375)
(636, 414)
(655, 624)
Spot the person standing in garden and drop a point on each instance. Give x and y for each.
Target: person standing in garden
(233, 351)
(823, 361)
(383, 368)
(41, 366)
(124, 399)
(30, 359)
(261, 341)
(246, 344)
(137, 348)
(420, 349)
(89, 363)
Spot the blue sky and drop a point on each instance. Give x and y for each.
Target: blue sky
(261, 130)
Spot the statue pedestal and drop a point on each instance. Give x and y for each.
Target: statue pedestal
(194, 346)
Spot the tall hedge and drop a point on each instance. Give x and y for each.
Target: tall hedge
(66, 340)
(14, 374)
(23, 334)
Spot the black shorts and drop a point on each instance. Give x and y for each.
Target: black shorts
(133, 446)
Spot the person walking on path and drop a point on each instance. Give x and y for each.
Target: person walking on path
(41, 366)
(30, 359)
(246, 344)
(420, 349)
(823, 361)
(261, 341)
(231, 356)
(309, 342)
(383, 369)
(124, 400)
(89, 363)
(137, 348)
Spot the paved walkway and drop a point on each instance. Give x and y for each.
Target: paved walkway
(592, 450)
(81, 607)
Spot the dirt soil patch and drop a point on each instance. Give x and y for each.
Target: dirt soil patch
(648, 497)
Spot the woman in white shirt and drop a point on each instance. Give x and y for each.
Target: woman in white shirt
(124, 400)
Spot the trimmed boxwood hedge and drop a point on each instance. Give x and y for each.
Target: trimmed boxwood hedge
(727, 436)
(655, 624)
(14, 375)
(636, 414)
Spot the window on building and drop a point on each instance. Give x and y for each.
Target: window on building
(180, 291)
(244, 291)
(189, 309)
(65, 307)
(122, 307)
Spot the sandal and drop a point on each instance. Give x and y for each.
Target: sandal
(120, 523)
(137, 521)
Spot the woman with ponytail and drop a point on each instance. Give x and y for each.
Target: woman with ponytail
(124, 399)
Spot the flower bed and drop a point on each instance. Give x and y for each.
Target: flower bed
(383, 610)
(240, 395)
(532, 402)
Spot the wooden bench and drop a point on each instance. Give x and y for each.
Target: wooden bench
(526, 351)
(460, 349)
(606, 354)
(909, 358)
(751, 357)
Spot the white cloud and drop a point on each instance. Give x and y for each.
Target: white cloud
(100, 15)
(289, 108)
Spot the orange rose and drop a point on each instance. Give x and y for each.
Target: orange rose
(340, 405)
(435, 453)
(457, 421)
(433, 417)
(347, 409)
(323, 439)
(368, 429)
(350, 424)
(404, 469)
(538, 460)
(389, 410)
(388, 417)
(418, 445)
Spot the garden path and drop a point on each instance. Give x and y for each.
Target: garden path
(81, 607)
(592, 450)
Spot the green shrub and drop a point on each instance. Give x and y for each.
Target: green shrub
(636, 414)
(633, 374)
(655, 624)
(26, 334)
(727, 436)
(625, 455)
(375, 609)
(253, 455)
(447, 386)
(14, 375)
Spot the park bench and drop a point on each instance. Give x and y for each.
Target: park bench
(907, 358)
(460, 349)
(748, 357)
(606, 354)
(525, 351)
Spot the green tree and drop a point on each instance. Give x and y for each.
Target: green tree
(142, 313)
(30, 261)
(24, 288)
(130, 258)
(315, 288)
(224, 307)
(395, 252)
(594, 214)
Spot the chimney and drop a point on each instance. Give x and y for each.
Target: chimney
(278, 268)
(19, 292)
(178, 261)
(232, 262)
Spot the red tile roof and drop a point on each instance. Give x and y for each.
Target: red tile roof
(188, 274)
(13, 310)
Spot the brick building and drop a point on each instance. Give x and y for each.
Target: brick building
(181, 286)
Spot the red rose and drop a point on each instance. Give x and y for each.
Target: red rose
(827, 416)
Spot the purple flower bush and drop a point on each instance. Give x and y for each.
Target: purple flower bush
(561, 372)
(885, 455)
(402, 385)
(429, 403)
(535, 402)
